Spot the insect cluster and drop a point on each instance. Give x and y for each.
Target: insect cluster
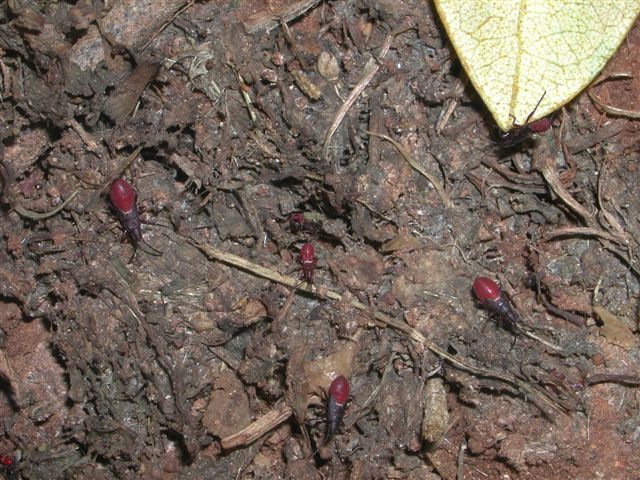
(489, 294)
(338, 392)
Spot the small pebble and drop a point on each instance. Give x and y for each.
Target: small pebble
(597, 359)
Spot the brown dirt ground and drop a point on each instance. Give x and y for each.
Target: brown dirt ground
(218, 115)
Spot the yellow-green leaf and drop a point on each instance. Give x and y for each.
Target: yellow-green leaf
(516, 50)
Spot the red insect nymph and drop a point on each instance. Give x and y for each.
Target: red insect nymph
(339, 390)
(307, 259)
(540, 126)
(519, 133)
(338, 396)
(486, 289)
(298, 223)
(490, 295)
(123, 196)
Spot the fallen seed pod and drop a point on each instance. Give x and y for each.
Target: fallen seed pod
(436, 414)
(328, 67)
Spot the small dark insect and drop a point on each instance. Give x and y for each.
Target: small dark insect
(519, 133)
(123, 198)
(337, 402)
(307, 259)
(297, 223)
(490, 295)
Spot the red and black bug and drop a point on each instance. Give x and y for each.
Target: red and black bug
(336, 403)
(298, 223)
(6, 460)
(490, 295)
(307, 259)
(519, 133)
(123, 198)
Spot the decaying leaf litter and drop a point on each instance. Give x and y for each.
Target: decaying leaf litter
(211, 360)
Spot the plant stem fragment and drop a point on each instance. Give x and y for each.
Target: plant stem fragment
(23, 212)
(418, 168)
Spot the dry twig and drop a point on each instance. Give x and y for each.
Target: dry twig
(269, 19)
(418, 168)
(618, 112)
(88, 140)
(23, 212)
(370, 69)
(262, 425)
(550, 174)
(612, 235)
(460, 462)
